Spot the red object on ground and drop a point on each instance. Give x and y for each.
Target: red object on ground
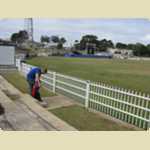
(33, 91)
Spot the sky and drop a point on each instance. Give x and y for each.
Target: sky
(117, 30)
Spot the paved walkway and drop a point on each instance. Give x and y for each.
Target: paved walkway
(59, 101)
(25, 114)
(19, 117)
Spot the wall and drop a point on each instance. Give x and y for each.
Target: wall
(7, 55)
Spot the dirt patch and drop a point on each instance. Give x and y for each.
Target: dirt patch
(58, 101)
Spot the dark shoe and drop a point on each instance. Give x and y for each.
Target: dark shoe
(43, 103)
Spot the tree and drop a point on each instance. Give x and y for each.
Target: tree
(23, 34)
(15, 37)
(55, 39)
(140, 50)
(59, 45)
(87, 43)
(76, 45)
(121, 45)
(148, 50)
(62, 40)
(131, 46)
(45, 39)
(76, 41)
(90, 38)
(19, 37)
(110, 44)
(91, 44)
(104, 44)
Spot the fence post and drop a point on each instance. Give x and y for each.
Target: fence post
(54, 82)
(148, 127)
(87, 94)
(18, 64)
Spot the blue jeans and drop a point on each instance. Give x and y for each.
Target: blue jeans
(31, 83)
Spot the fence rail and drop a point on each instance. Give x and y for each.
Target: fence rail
(126, 105)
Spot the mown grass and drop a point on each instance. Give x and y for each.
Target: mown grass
(83, 120)
(20, 83)
(134, 75)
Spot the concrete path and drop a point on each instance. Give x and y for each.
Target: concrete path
(24, 113)
(20, 119)
(59, 101)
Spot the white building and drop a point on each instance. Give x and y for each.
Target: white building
(121, 53)
(7, 55)
(50, 45)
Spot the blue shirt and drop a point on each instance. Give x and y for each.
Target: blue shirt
(32, 73)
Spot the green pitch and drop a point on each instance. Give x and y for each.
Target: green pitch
(134, 75)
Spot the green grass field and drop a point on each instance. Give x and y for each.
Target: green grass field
(83, 120)
(20, 83)
(134, 75)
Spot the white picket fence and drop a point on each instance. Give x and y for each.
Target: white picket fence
(126, 105)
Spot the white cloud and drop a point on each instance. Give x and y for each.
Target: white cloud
(146, 38)
(117, 30)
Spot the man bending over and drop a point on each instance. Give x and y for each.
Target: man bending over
(33, 78)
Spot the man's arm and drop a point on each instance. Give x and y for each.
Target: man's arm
(37, 78)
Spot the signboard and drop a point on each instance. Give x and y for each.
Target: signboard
(7, 55)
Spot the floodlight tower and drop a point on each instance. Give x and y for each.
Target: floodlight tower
(28, 25)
